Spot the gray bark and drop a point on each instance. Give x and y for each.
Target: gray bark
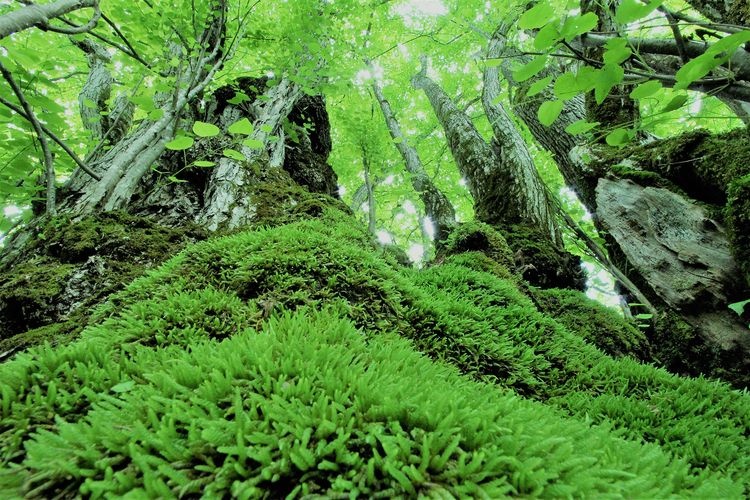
(437, 206)
(527, 188)
(121, 168)
(227, 204)
(488, 180)
(92, 100)
(565, 148)
(39, 15)
(370, 190)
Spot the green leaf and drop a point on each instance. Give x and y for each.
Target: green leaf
(676, 103)
(547, 37)
(537, 16)
(580, 127)
(697, 68)
(88, 103)
(578, 25)
(566, 86)
(253, 143)
(730, 43)
(145, 102)
(172, 178)
(617, 51)
(180, 143)
(266, 128)
(607, 77)
(531, 68)
(739, 307)
(549, 111)
(242, 127)
(645, 89)
(239, 98)
(203, 129)
(632, 10)
(620, 137)
(493, 63)
(203, 163)
(155, 114)
(234, 154)
(538, 86)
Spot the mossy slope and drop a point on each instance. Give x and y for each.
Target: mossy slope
(201, 377)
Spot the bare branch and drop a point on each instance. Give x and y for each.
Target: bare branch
(54, 138)
(40, 15)
(49, 167)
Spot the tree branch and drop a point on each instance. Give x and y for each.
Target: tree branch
(54, 138)
(49, 167)
(40, 15)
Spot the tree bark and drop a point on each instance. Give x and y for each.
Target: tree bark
(527, 188)
(488, 180)
(39, 15)
(437, 206)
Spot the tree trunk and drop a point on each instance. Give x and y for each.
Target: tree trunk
(496, 174)
(437, 206)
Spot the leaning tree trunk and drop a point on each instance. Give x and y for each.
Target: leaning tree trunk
(437, 206)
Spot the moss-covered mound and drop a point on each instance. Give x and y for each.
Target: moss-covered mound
(597, 324)
(70, 266)
(540, 263)
(284, 361)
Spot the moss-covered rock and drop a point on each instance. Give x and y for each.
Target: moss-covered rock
(595, 323)
(710, 168)
(70, 266)
(541, 263)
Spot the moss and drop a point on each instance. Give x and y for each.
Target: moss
(738, 224)
(540, 263)
(478, 237)
(291, 411)
(595, 323)
(280, 200)
(680, 348)
(73, 265)
(27, 291)
(171, 383)
(641, 177)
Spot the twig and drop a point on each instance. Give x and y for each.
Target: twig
(74, 29)
(676, 32)
(54, 138)
(49, 167)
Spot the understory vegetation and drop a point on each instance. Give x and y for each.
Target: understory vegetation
(300, 359)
